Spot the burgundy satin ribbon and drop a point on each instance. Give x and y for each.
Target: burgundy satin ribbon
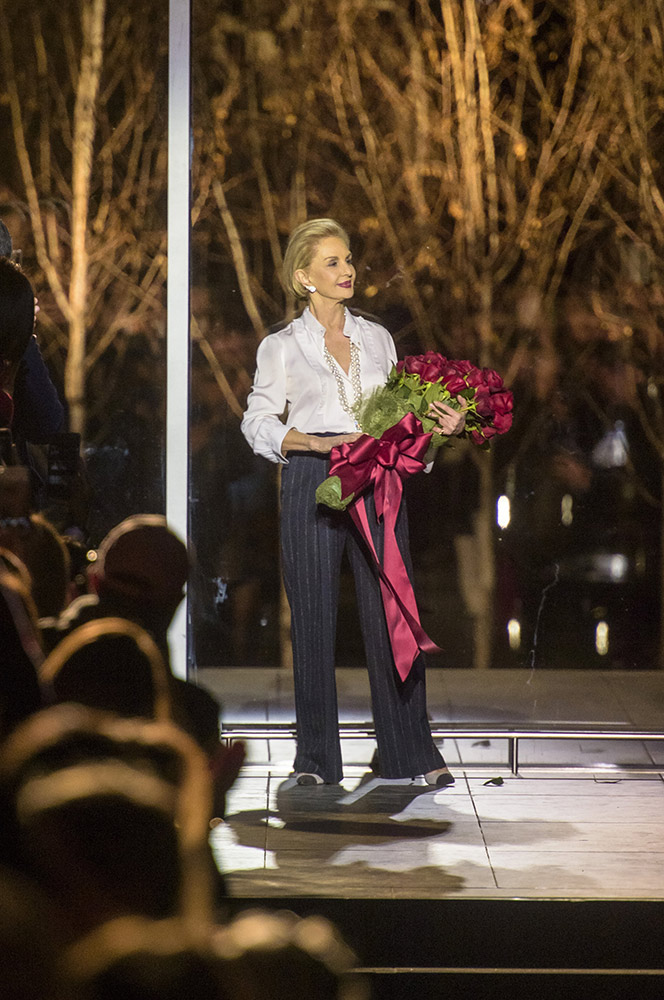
(385, 463)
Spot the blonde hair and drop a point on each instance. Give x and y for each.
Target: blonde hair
(302, 247)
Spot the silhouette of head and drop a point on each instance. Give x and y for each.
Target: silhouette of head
(105, 813)
(142, 561)
(109, 664)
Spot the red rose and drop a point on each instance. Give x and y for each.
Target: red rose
(429, 367)
(492, 402)
(432, 373)
(484, 403)
(474, 378)
(414, 364)
(454, 384)
(502, 422)
(502, 402)
(492, 379)
(479, 437)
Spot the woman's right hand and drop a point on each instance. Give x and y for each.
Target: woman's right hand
(324, 445)
(298, 441)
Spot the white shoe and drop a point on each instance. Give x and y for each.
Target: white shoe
(306, 778)
(440, 778)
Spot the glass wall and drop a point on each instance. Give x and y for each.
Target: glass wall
(83, 196)
(479, 231)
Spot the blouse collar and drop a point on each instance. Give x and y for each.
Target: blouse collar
(351, 327)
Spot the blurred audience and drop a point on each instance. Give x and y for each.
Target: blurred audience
(111, 774)
(110, 664)
(31, 943)
(107, 815)
(139, 575)
(44, 554)
(139, 959)
(20, 651)
(257, 956)
(280, 956)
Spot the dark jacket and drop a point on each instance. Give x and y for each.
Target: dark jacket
(38, 412)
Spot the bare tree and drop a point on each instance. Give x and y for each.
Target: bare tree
(621, 282)
(87, 124)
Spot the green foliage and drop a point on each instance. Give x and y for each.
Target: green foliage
(329, 493)
(381, 410)
(404, 393)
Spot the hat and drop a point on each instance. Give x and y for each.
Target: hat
(142, 560)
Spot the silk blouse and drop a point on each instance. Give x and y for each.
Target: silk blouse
(295, 388)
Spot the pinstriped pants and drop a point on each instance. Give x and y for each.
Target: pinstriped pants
(313, 539)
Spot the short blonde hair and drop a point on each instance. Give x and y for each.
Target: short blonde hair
(302, 247)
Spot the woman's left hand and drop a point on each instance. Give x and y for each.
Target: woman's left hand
(451, 422)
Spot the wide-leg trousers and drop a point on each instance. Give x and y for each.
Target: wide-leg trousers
(313, 540)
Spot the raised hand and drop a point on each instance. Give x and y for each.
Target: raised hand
(451, 422)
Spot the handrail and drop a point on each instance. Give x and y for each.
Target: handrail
(231, 731)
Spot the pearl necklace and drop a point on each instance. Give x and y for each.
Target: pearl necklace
(354, 374)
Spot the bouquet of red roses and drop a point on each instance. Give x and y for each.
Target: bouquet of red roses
(412, 386)
(398, 431)
(420, 380)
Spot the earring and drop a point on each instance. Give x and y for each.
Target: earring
(310, 288)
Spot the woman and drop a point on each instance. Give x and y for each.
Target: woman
(313, 370)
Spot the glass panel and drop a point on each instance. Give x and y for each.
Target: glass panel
(83, 196)
(235, 594)
(481, 231)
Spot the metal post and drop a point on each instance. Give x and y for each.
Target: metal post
(177, 339)
(513, 753)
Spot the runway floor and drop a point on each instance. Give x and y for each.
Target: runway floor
(597, 833)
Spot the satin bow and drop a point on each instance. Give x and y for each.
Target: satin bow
(385, 463)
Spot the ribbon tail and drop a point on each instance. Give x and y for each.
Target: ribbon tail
(397, 578)
(407, 637)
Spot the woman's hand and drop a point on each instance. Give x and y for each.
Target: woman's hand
(298, 441)
(451, 422)
(324, 445)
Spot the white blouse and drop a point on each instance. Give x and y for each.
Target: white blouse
(294, 387)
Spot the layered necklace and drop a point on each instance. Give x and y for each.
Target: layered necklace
(354, 375)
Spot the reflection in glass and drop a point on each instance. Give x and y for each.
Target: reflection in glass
(235, 591)
(84, 183)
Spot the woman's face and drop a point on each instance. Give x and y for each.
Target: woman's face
(331, 270)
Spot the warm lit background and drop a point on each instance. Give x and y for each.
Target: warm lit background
(497, 165)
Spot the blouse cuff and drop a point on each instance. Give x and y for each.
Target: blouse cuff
(269, 439)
